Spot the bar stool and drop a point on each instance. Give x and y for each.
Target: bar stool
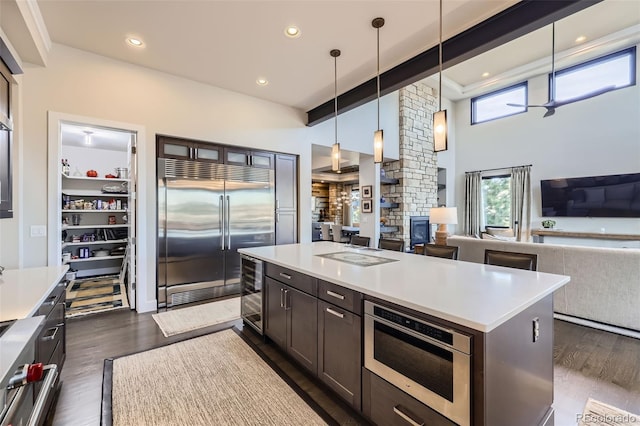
(325, 230)
(336, 230)
(443, 251)
(526, 261)
(357, 240)
(391, 244)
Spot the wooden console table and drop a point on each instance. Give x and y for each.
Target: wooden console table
(541, 233)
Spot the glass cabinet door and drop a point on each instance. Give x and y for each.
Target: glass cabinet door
(209, 153)
(174, 149)
(262, 160)
(237, 157)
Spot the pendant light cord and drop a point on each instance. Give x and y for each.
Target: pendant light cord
(335, 98)
(378, 74)
(440, 61)
(553, 61)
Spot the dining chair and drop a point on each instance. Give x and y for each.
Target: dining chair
(526, 261)
(336, 230)
(325, 231)
(357, 240)
(391, 244)
(443, 251)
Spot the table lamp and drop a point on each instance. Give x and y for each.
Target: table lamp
(443, 216)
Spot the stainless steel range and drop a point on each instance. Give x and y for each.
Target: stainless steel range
(19, 402)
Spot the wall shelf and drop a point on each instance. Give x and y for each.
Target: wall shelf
(90, 259)
(93, 243)
(93, 211)
(388, 181)
(541, 233)
(93, 193)
(124, 225)
(95, 178)
(389, 205)
(388, 229)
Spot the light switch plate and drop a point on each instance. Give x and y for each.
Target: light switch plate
(38, 231)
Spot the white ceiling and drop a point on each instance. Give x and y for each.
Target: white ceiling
(82, 136)
(229, 44)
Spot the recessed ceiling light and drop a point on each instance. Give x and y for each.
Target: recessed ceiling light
(580, 39)
(262, 82)
(485, 74)
(135, 41)
(292, 31)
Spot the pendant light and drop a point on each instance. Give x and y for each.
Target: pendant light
(335, 150)
(440, 117)
(378, 137)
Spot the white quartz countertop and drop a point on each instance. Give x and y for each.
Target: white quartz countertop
(22, 291)
(477, 296)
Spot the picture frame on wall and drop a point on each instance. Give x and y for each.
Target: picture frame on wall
(367, 205)
(367, 191)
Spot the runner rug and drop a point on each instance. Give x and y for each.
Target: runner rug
(598, 413)
(216, 379)
(194, 317)
(92, 295)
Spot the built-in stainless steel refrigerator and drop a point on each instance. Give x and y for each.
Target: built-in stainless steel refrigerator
(206, 212)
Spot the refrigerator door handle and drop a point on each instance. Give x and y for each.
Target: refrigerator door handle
(228, 224)
(221, 221)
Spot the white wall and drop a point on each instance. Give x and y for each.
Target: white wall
(597, 136)
(356, 127)
(77, 82)
(104, 161)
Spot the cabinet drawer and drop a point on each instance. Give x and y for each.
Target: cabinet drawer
(292, 278)
(54, 298)
(340, 296)
(387, 405)
(52, 333)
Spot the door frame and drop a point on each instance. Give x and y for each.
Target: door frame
(54, 187)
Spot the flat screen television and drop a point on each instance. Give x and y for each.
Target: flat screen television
(593, 196)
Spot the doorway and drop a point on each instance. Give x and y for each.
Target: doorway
(93, 179)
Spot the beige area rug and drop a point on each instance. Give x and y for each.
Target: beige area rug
(598, 413)
(93, 295)
(192, 318)
(216, 379)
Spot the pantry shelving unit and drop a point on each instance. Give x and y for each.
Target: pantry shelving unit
(86, 231)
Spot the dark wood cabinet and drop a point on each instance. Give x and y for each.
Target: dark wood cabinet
(242, 157)
(286, 176)
(290, 315)
(184, 149)
(275, 321)
(51, 342)
(340, 351)
(387, 405)
(6, 186)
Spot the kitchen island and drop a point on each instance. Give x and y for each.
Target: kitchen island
(505, 315)
(32, 310)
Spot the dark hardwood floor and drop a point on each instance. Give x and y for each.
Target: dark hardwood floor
(588, 363)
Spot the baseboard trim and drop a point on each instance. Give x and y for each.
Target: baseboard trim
(598, 325)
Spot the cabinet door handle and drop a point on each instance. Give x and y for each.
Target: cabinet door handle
(286, 307)
(281, 298)
(406, 417)
(283, 275)
(336, 295)
(336, 313)
(51, 334)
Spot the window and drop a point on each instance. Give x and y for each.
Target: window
(496, 200)
(494, 105)
(600, 75)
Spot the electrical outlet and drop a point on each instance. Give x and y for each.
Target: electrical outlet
(536, 329)
(38, 231)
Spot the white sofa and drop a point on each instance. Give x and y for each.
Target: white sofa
(605, 282)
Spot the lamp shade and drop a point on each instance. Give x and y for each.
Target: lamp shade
(335, 157)
(440, 131)
(444, 215)
(378, 145)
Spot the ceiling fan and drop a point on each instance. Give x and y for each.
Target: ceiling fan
(552, 104)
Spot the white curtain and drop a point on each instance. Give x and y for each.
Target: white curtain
(521, 202)
(472, 203)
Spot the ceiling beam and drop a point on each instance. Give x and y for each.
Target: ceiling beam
(520, 19)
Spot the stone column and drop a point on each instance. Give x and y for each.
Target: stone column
(417, 169)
